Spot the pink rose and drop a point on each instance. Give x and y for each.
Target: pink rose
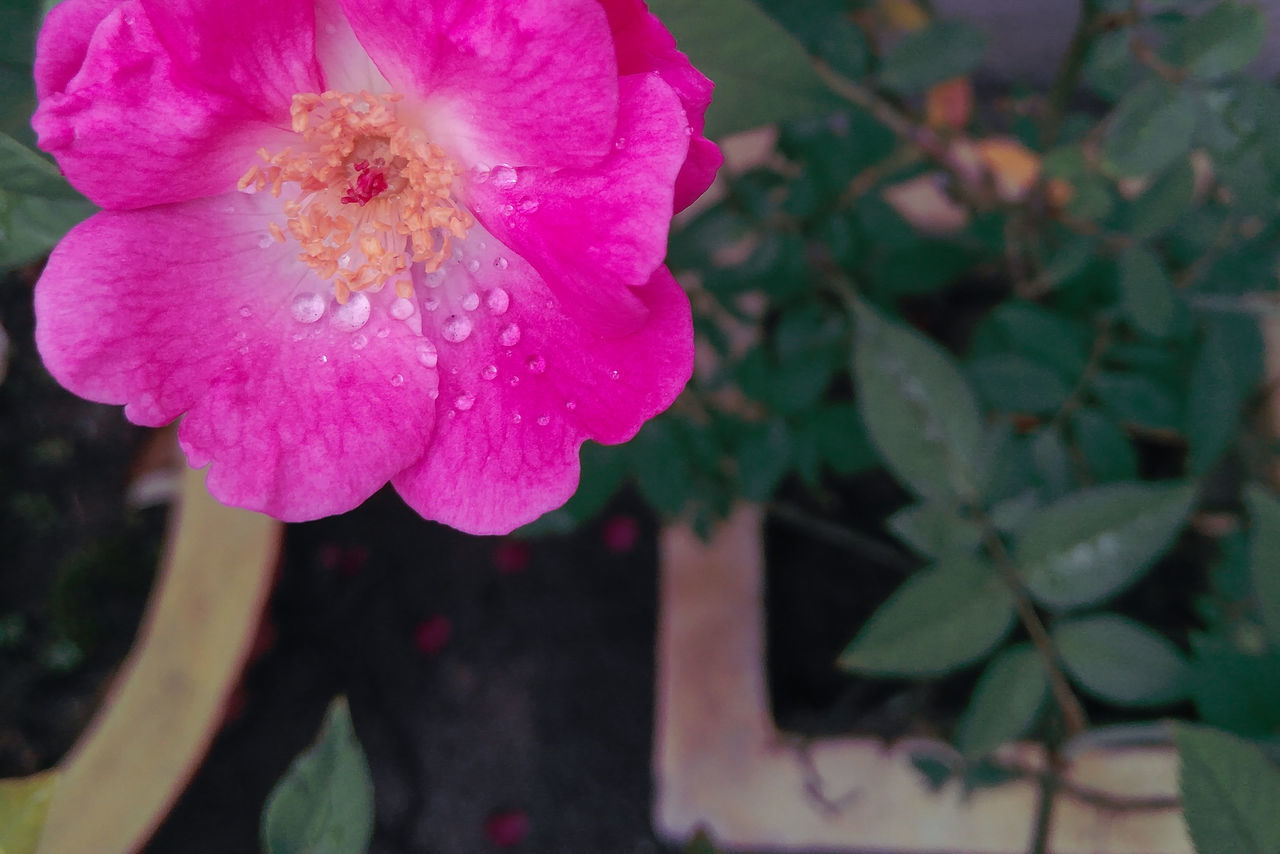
(377, 240)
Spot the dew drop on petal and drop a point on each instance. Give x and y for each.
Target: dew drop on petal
(473, 265)
(571, 405)
(397, 380)
(384, 332)
(529, 206)
(401, 308)
(508, 210)
(489, 372)
(463, 402)
(516, 419)
(427, 354)
(471, 301)
(359, 342)
(544, 420)
(245, 311)
(620, 143)
(351, 316)
(613, 375)
(323, 359)
(514, 381)
(430, 304)
(497, 301)
(307, 308)
(501, 263)
(503, 176)
(536, 364)
(265, 241)
(510, 335)
(456, 328)
(434, 280)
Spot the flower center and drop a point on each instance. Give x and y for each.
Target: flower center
(374, 195)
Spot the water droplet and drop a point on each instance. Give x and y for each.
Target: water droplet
(427, 354)
(571, 405)
(324, 359)
(359, 342)
(245, 311)
(497, 301)
(464, 402)
(352, 315)
(430, 304)
(384, 332)
(544, 420)
(508, 210)
(244, 351)
(265, 241)
(345, 260)
(510, 335)
(434, 280)
(397, 380)
(516, 419)
(613, 375)
(242, 336)
(401, 308)
(529, 206)
(456, 328)
(307, 308)
(500, 262)
(620, 143)
(536, 364)
(514, 381)
(489, 372)
(471, 301)
(503, 176)
(473, 265)
(481, 175)
(434, 393)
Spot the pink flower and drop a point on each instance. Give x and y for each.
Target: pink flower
(374, 240)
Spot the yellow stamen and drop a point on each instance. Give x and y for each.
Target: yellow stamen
(365, 181)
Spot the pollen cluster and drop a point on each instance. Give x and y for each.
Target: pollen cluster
(374, 195)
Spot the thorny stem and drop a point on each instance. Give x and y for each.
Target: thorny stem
(1073, 716)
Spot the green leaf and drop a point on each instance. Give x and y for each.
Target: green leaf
(762, 74)
(23, 804)
(939, 620)
(1106, 448)
(1006, 702)
(662, 466)
(1136, 399)
(1229, 793)
(30, 226)
(938, 52)
(24, 172)
(1016, 384)
(1151, 128)
(936, 529)
(1110, 68)
(324, 804)
(1163, 203)
(1037, 333)
(1264, 558)
(763, 457)
(1095, 542)
(1122, 661)
(1146, 292)
(919, 411)
(1222, 41)
(1233, 689)
(842, 439)
(1224, 376)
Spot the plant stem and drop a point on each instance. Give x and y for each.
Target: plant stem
(1044, 810)
(1068, 76)
(1074, 719)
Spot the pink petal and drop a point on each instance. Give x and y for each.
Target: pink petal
(160, 102)
(594, 233)
(532, 82)
(522, 392)
(643, 44)
(181, 308)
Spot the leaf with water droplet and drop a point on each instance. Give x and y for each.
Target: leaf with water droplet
(1093, 543)
(919, 411)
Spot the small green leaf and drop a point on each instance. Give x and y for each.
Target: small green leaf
(1011, 383)
(24, 172)
(1095, 542)
(1146, 292)
(762, 74)
(30, 225)
(919, 411)
(1233, 689)
(1151, 127)
(23, 804)
(662, 466)
(1264, 558)
(1163, 203)
(1229, 793)
(763, 457)
(940, 51)
(1136, 399)
(939, 620)
(324, 804)
(1122, 661)
(1008, 699)
(936, 529)
(1106, 448)
(1224, 376)
(1037, 333)
(1222, 41)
